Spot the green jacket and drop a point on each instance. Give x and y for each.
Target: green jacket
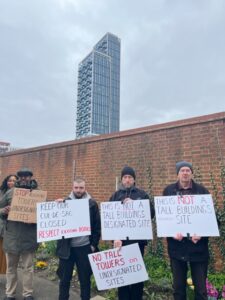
(18, 237)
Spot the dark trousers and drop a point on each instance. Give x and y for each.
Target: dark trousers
(132, 291)
(198, 274)
(78, 256)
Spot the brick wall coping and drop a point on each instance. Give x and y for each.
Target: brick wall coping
(168, 125)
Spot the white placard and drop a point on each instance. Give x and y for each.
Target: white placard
(187, 214)
(63, 219)
(118, 267)
(129, 220)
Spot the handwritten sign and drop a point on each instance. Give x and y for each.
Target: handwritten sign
(131, 219)
(114, 268)
(23, 205)
(192, 214)
(63, 219)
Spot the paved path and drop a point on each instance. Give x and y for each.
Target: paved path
(43, 289)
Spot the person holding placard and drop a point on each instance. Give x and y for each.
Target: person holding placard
(127, 193)
(7, 184)
(187, 250)
(75, 250)
(19, 242)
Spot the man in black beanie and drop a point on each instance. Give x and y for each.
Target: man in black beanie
(183, 250)
(128, 171)
(128, 192)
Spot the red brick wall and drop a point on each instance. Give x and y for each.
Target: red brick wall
(99, 159)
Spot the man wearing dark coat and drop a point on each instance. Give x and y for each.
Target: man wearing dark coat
(19, 242)
(184, 251)
(129, 192)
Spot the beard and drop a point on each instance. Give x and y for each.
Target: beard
(79, 195)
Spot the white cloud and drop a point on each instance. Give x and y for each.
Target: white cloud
(172, 62)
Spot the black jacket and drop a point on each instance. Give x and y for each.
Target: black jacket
(133, 193)
(19, 237)
(63, 245)
(185, 249)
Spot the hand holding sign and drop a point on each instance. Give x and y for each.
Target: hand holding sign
(178, 237)
(117, 244)
(127, 200)
(5, 210)
(187, 215)
(195, 238)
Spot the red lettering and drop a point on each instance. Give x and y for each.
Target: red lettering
(84, 228)
(21, 192)
(110, 264)
(133, 260)
(96, 257)
(185, 199)
(65, 231)
(113, 254)
(49, 233)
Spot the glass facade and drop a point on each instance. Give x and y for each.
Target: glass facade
(98, 99)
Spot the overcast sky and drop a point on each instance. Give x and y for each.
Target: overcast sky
(172, 62)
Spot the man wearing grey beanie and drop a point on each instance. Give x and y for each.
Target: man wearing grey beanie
(183, 250)
(181, 164)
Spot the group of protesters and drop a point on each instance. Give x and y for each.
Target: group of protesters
(18, 240)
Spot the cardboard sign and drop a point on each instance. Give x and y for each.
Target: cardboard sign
(118, 267)
(187, 214)
(63, 219)
(129, 220)
(23, 205)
